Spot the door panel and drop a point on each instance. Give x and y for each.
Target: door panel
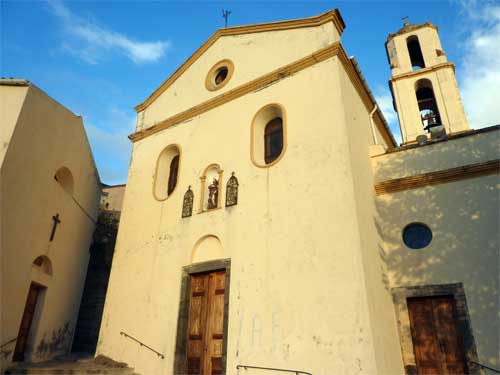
(449, 336)
(26, 320)
(197, 324)
(206, 324)
(215, 323)
(436, 338)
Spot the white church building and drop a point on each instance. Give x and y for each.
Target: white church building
(270, 221)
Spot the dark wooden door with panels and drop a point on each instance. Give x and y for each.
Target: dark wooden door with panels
(206, 323)
(26, 321)
(436, 337)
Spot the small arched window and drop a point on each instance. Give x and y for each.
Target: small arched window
(273, 139)
(172, 176)
(427, 104)
(415, 52)
(167, 172)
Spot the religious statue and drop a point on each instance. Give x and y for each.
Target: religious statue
(213, 194)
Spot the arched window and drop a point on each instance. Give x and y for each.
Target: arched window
(64, 177)
(268, 136)
(415, 52)
(167, 172)
(232, 191)
(427, 104)
(273, 139)
(172, 176)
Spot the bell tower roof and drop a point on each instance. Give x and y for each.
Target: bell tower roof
(409, 27)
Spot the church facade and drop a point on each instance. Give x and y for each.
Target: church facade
(49, 193)
(271, 222)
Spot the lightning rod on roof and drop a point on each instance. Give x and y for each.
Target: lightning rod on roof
(225, 15)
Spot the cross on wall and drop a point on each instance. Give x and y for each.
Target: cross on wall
(56, 221)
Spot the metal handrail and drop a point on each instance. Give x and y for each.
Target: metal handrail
(486, 367)
(296, 372)
(8, 342)
(142, 344)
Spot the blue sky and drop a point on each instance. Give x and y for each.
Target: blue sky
(100, 59)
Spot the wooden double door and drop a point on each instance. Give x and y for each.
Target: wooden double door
(206, 323)
(437, 341)
(27, 319)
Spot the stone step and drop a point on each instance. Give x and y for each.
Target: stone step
(73, 365)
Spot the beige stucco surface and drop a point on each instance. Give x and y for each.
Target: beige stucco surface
(10, 104)
(253, 55)
(464, 219)
(299, 297)
(47, 136)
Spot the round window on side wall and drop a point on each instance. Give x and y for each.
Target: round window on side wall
(167, 172)
(417, 236)
(219, 75)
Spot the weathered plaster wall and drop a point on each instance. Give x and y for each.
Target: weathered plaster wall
(11, 100)
(464, 219)
(298, 296)
(47, 136)
(253, 55)
(380, 306)
(429, 42)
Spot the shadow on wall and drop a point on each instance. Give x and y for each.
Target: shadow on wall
(57, 341)
(464, 219)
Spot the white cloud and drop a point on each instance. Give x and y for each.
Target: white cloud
(110, 144)
(92, 42)
(384, 101)
(479, 71)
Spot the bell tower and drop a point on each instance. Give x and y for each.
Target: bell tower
(423, 85)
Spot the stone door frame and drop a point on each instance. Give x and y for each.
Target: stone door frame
(400, 296)
(183, 317)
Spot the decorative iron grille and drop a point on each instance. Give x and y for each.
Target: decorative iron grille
(187, 205)
(232, 191)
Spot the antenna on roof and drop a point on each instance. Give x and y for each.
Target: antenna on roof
(406, 21)
(225, 15)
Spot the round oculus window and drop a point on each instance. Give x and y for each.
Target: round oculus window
(219, 75)
(417, 235)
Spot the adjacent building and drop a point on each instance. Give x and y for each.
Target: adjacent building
(49, 193)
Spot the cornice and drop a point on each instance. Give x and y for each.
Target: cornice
(241, 90)
(330, 16)
(334, 49)
(439, 177)
(422, 71)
